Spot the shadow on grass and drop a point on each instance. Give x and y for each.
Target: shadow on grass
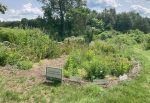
(54, 84)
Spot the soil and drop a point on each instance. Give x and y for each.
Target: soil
(38, 70)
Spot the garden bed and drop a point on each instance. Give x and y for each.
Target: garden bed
(108, 81)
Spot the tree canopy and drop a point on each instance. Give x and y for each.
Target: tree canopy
(65, 18)
(2, 9)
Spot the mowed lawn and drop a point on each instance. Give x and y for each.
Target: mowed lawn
(15, 89)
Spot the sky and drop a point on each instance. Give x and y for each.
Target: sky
(30, 9)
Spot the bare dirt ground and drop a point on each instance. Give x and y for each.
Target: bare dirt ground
(38, 70)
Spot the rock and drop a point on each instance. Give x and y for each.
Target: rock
(100, 81)
(75, 78)
(124, 77)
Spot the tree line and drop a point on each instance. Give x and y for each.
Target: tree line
(64, 18)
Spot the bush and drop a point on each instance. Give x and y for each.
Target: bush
(107, 35)
(104, 47)
(24, 65)
(13, 58)
(31, 42)
(122, 41)
(72, 43)
(3, 56)
(90, 65)
(120, 66)
(74, 39)
(95, 69)
(137, 35)
(73, 62)
(26, 44)
(147, 43)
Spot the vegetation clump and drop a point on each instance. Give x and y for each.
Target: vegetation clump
(30, 45)
(97, 62)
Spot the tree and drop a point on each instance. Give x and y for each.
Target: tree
(2, 9)
(55, 13)
(124, 22)
(77, 21)
(109, 18)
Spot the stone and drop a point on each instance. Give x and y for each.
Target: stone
(123, 77)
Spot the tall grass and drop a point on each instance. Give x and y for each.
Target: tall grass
(25, 45)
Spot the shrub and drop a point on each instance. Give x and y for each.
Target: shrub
(122, 41)
(24, 65)
(90, 65)
(95, 69)
(25, 45)
(107, 35)
(31, 42)
(74, 39)
(3, 56)
(13, 58)
(137, 35)
(103, 47)
(120, 66)
(67, 73)
(72, 43)
(73, 62)
(147, 43)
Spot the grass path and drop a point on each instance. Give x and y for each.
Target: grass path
(15, 89)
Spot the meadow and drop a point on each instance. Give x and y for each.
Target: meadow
(110, 53)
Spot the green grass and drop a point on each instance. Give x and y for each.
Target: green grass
(26, 90)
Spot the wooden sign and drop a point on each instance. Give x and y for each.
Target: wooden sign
(54, 74)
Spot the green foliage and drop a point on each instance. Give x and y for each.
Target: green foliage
(32, 91)
(147, 43)
(74, 39)
(3, 57)
(24, 65)
(11, 95)
(100, 46)
(93, 89)
(26, 44)
(3, 8)
(107, 35)
(73, 62)
(96, 62)
(120, 66)
(71, 43)
(122, 41)
(13, 57)
(137, 35)
(66, 73)
(95, 69)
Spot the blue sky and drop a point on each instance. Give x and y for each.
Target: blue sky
(30, 9)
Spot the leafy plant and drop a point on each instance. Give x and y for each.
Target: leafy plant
(3, 56)
(24, 65)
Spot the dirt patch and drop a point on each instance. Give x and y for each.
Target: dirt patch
(38, 70)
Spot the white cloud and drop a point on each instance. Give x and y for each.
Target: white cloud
(112, 3)
(140, 9)
(99, 5)
(1, 19)
(129, 1)
(27, 11)
(106, 3)
(28, 8)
